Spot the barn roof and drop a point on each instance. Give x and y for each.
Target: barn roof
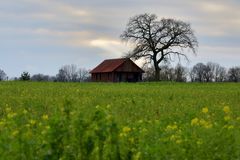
(109, 65)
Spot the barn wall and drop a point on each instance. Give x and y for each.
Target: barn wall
(127, 77)
(102, 77)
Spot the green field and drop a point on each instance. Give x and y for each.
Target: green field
(119, 121)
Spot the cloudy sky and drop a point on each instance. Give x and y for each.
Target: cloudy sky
(40, 36)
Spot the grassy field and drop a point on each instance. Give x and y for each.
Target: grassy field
(119, 121)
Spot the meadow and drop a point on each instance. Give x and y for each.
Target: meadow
(46, 120)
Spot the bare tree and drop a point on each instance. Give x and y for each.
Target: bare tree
(217, 73)
(234, 74)
(197, 72)
(67, 73)
(220, 74)
(42, 77)
(148, 75)
(3, 75)
(208, 72)
(180, 73)
(70, 73)
(83, 75)
(158, 40)
(167, 72)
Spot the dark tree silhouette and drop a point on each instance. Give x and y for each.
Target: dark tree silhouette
(25, 76)
(234, 74)
(158, 40)
(3, 75)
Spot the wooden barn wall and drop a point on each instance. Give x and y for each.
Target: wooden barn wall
(102, 77)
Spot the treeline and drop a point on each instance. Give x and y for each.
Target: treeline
(200, 72)
(67, 73)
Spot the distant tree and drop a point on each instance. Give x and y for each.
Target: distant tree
(180, 73)
(3, 75)
(234, 74)
(70, 73)
(197, 72)
(217, 73)
(25, 76)
(83, 75)
(220, 74)
(41, 77)
(149, 73)
(167, 73)
(61, 76)
(158, 40)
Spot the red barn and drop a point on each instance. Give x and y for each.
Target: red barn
(117, 70)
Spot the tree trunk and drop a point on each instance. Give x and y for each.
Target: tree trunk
(156, 67)
(157, 73)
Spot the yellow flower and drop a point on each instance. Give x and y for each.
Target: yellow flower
(2, 123)
(15, 133)
(205, 110)
(47, 127)
(32, 122)
(195, 122)
(178, 141)
(227, 118)
(11, 115)
(171, 127)
(226, 109)
(126, 129)
(173, 137)
(131, 140)
(45, 117)
(137, 156)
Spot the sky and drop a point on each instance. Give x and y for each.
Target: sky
(40, 36)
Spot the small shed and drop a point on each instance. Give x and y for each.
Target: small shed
(117, 70)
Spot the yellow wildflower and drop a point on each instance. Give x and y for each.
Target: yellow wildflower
(2, 123)
(11, 115)
(226, 109)
(15, 133)
(227, 118)
(32, 122)
(131, 140)
(47, 127)
(178, 141)
(171, 127)
(45, 117)
(137, 156)
(205, 110)
(195, 121)
(126, 129)
(173, 137)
